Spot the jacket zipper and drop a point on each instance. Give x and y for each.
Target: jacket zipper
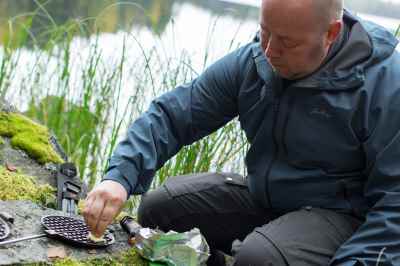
(275, 153)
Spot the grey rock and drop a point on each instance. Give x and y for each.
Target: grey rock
(27, 217)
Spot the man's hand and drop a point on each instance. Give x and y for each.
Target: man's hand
(102, 205)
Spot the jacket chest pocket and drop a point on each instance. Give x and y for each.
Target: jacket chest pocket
(319, 135)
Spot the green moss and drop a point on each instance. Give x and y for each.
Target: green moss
(1, 141)
(28, 136)
(68, 262)
(129, 257)
(16, 186)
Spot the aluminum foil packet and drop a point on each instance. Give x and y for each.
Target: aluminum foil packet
(172, 248)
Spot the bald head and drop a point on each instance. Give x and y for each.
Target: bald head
(324, 11)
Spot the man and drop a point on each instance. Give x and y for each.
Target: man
(318, 95)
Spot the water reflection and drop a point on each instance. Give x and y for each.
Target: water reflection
(111, 15)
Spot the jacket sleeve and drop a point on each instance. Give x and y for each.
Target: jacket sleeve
(377, 241)
(177, 118)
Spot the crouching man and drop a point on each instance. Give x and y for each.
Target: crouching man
(317, 93)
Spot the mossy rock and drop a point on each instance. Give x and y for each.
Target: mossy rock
(28, 136)
(17, 186)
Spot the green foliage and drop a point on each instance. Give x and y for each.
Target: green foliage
(82, 102)
(17, 33)
(209, 154)
(28, 136)
(63, 117)
(130, 257)
(16, 186)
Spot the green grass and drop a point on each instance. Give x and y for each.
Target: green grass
(82, 96)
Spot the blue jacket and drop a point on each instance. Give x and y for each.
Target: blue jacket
(331, 140)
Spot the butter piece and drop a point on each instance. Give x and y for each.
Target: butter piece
(97, 240)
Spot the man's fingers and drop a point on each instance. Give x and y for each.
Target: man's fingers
(109, 212)
(86, 210)
(103, 204)
(95, 211)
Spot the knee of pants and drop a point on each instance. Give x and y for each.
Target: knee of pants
(152, 209)
(257, 250)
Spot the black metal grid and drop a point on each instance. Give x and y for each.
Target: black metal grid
(4, 230)
(73, 231)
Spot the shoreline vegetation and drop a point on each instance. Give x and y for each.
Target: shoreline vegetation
(83, 100)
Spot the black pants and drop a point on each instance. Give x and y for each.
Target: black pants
(221, 207)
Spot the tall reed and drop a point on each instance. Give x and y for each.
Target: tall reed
(88, 99)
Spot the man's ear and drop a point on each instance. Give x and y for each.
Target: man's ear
(334, 30)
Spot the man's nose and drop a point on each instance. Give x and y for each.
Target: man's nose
(272, 49)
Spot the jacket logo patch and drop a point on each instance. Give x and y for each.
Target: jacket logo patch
(320, 111)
